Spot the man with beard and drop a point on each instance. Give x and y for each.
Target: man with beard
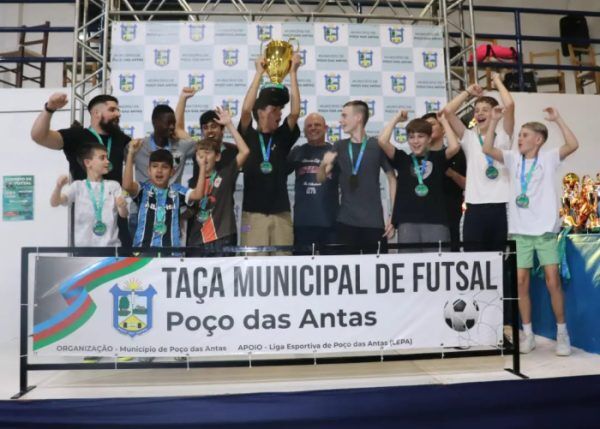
(104, 129)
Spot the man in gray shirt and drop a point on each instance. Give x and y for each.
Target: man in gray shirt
(360, 220)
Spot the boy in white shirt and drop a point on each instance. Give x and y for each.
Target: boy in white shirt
(533, 214)
(97, 201)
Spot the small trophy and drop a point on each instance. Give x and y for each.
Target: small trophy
(278, 56)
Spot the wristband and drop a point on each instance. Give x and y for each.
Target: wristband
(48, 109)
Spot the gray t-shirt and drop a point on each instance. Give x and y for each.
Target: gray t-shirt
(361, 205)
(180, 149)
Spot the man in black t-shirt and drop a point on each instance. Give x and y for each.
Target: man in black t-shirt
(104, 128)
(266, 216)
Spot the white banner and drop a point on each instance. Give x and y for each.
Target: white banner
(266, 305)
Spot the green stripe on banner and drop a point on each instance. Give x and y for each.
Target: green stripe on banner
(68, 330)
(116, 274)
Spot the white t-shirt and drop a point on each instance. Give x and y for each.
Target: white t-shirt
(542, 214)
(85, 217)
(479, 189)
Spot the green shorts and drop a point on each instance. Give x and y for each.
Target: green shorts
(546, 247)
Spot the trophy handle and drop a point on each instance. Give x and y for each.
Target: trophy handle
(297, 44)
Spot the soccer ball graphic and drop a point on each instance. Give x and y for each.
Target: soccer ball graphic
(461, 313)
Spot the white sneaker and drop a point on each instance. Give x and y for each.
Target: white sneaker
(563, 345)
(526, 343)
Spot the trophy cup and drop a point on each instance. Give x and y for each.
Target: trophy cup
(278, 55)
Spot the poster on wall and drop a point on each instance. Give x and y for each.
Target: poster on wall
(266, 305)
(17, 198)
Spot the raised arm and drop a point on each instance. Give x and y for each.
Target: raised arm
(224, 118)
(198, 191)
(453, 144)
(326, 166)
(452, 107)
(250, 99)
(292, 119)
(121, 204)
(40, 131)
(130, 185)
(508, 102)
(57, 198)
(389, 227)
(571, 144)
(386, 134)
(490, 135)
(180, 131)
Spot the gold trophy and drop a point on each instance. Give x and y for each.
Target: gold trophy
(278, 56)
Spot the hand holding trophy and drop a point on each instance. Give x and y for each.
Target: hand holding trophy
(278, 59)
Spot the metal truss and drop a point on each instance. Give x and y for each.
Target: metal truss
(91, 67)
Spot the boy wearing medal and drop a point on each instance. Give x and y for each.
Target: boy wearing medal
(533, 214)
(420, 205)
(158, 202)
(359, 159)
(487, 186)
(98, 202)
(266, 212)
(213, 225)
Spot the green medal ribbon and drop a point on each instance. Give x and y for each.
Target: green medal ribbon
(522, 199)
(355, 167)
(108, 145)
(204, 212)
(160, 226)
(421, 189)
(98, 202)
(491, 172)
(265, 167)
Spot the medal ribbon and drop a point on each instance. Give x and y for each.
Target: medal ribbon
(419, 171)
(356, 166)
(488, 158)
(208, 188)
(161, 202)
(108, 145)
(97, 202)
(266, 152)
(525, 179)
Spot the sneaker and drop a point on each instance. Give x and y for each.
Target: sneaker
(563, 345)
(526, 343)
(145, 359)
(91, 359)
(124, 359)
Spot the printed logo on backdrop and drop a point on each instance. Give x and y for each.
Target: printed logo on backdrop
(230, 57)
(196, 32)
(432, 106)
(194, 130)
(196, 81)
(302, 53)
(333, 82)
(398, 83)
(331, 33)
(132, 308)
(303, 107)
(128, 130)
(371, 105)
(365, 58)
(430, 60)
(396, 35)
(264, 32)
(264, 80)
(128, 32)
(231, 105)
(161, 57)
(159, 101)
(400, 135)
(334, 134)
(127, 82)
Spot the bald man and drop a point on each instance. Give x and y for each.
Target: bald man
(315, 204)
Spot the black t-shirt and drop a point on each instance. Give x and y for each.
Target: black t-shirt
(268, 193)
(75, 137)
(219, 205)
(408, 206)
(229, 152)
(453, 192)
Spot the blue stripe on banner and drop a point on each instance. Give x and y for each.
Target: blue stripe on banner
(59, 317)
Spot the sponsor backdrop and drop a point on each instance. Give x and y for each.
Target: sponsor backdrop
(265, 305)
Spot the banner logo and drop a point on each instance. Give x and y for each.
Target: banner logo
(332, 82)
(398, 83)
(400, 135)
(161, 100)
(194, 130)
(430, 60)
(128, 32)
(132, 308)
(264, 32)
(396, 35)
(331, 33)
(196, 32)
(231, 105)
(432, 106)
(127, 82)
(161, 57)
(371, 104)
(230, 57)
(302, 54)
(365, 58)
(334, 134)
(128, 130)
(196, 81)
(303, 107)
